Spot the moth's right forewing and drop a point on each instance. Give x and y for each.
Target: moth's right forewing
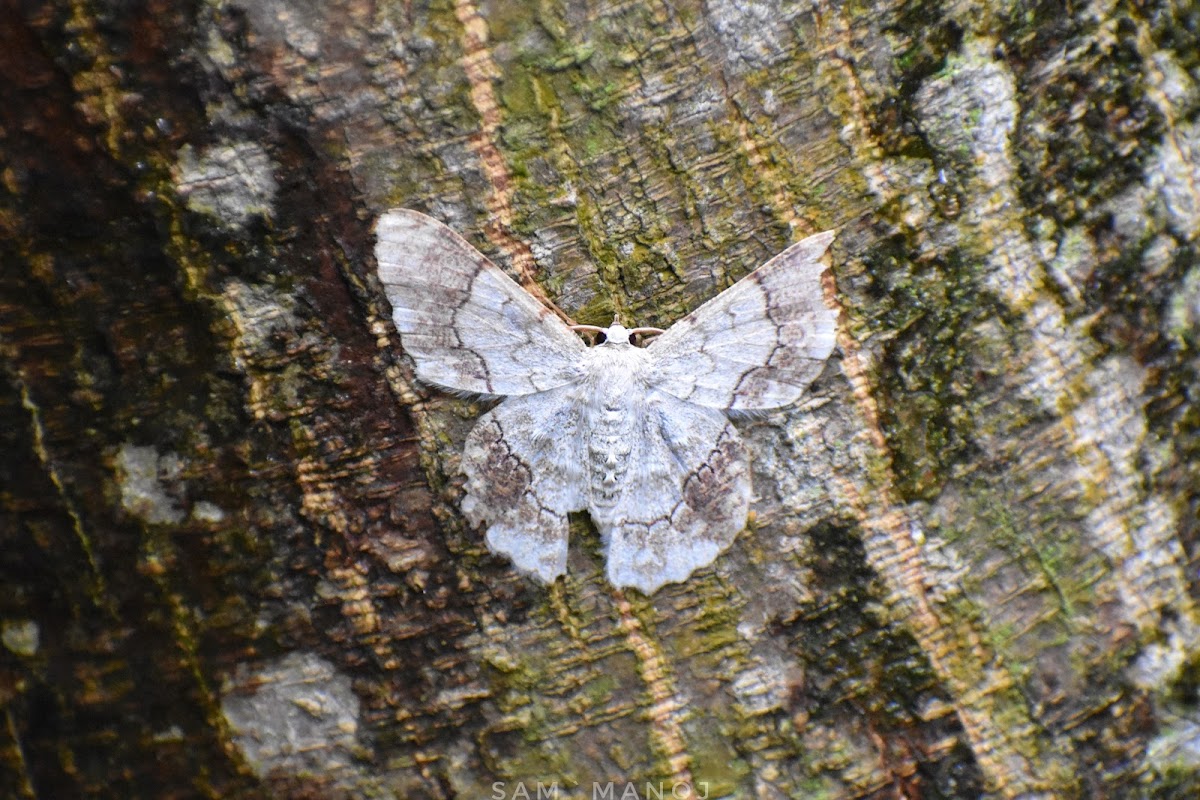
(467, 325)
(756, 345)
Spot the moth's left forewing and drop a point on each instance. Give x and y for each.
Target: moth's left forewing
(757, 345)
(467, 326)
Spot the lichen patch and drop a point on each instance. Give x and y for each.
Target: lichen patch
(294, 715)
(140, 473)
(231, 181)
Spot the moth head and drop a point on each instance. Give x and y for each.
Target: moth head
(616, 334)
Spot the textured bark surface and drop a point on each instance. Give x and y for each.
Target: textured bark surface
(232, 558)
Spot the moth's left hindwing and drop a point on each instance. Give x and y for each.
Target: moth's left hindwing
(467, 325)
(524, 476)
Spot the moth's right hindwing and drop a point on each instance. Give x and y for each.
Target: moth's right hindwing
(686, 497)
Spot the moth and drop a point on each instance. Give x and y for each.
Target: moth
(638, 437)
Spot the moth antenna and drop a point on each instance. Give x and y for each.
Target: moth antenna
(642, 333)
(591, 331)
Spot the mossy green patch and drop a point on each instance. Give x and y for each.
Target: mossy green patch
(1074, 155)
(716, 764)
(931, 375)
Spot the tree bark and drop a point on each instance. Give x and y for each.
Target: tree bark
(233, 559)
